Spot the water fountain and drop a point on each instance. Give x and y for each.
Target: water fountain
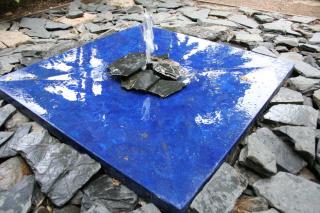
(165, 149)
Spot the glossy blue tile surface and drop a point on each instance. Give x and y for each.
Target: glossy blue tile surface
(169, 147)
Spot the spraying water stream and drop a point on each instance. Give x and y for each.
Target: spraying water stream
(148, 35)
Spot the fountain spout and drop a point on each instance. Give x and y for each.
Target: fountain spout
(148, 35)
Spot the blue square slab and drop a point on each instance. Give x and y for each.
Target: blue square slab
(163, 148)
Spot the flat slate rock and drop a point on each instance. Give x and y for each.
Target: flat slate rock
(306, 70)
(309, 47)
(128, 64)
(18, 198)
(287, 41)
(36, 27)
(63, 166)
(4, 136)
(165, 88)
(97, 208)
(142, 80)
(263, 50)
(50, 25)
(148, 208)
(315, 38)
(262, 18)
(315, 96)
(287, 96)
(221, 192)
(221, 22)
(286, 158)
(244, 20)
(304, 85)
(258, 157)
(290, 193)
(168, 69)
(6, 112)
(245, 37)
(195, 13)
(303, 19)
(302, 138)
(220, 13)
(292, 114)
(112, 195)
(281, 25)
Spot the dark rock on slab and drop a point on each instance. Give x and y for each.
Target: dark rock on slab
(142, 80)
(167, 68)
(250, 204)
(6, 113)
(306, 70)
(221, 192)
(17, 119)
(298, 115)
(282, 26)
(165, 88)
(64, 166)
(148, 208)
(258, 157)
(6, 149)
(4, 136)
(195, 13)
(12, 171)
(128, 64)
(302, 138)
(50, 25)
(286, 158)
(18, 198)
(244, 21)
(287, 96)
(115, 197)
(289, 193)
(304, 85)
(67, 209)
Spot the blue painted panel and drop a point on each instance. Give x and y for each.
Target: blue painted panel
(169, 147)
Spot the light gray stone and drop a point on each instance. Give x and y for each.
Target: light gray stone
(6, 112)
(287, 96)
(291, 56)
(258, 157)
(303, 19)
(36, 27)
(148, 208)
(263, 18)
(287, 41)
(316, 97)
(281, 25)
(244, 21)
(248, 11)
(4, 136)
(307, 101)
(63, 166)
(286, 158)
(304, 85)
(263, 50)
(50, 25)
(18, 198)
(201, 32)
(221, 192)
(290, 193)
(115, 197)
(94, 28)
(299, 115)
(315, 38)
(245, 37)
(306, 70)
(195, 13)
(17, 119)
(220, 22)
(250, 175)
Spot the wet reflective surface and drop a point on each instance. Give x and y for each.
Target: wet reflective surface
(169, 147)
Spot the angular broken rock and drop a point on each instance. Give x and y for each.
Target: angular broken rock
(16, 120)
(298, 115)
(97, 208)
(250, 175)
(13, 38)
(244, 20)
(4, 136)
(168, 69)
(306, 70)
(263, 50)
(115, 197)
(250, 204)
(287, 96)
(195, 13)
(289, 193)
(221, 192)
(315, 96)
(142, 80)
(315, 38)
(56, 166)
(18, 198)
(258, 157)
(281, 25)
(12, 171)
(304, 85)
(6, 112)
(286, 158)
(165, 88)
(303, 139)
(303, 19)
(51, 25)
(128, 64)
(148, 208)
(287, 41)
(245, 37)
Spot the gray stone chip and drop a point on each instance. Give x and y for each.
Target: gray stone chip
(244, 20)
(304, 85)
(165, 88)
(289, 193)
(6, 112)
(4, 136)
(287, 96)
(221, 192)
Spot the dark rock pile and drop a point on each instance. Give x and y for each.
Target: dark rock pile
(160, 77)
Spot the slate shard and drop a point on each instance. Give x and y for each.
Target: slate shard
(167, 68)
(140, 81)
(165, 88)
(128, 65)
(114, 197)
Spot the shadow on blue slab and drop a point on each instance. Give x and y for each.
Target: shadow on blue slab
(164, 149)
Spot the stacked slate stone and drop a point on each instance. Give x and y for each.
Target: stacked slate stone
(275, 169)
(160, 77)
